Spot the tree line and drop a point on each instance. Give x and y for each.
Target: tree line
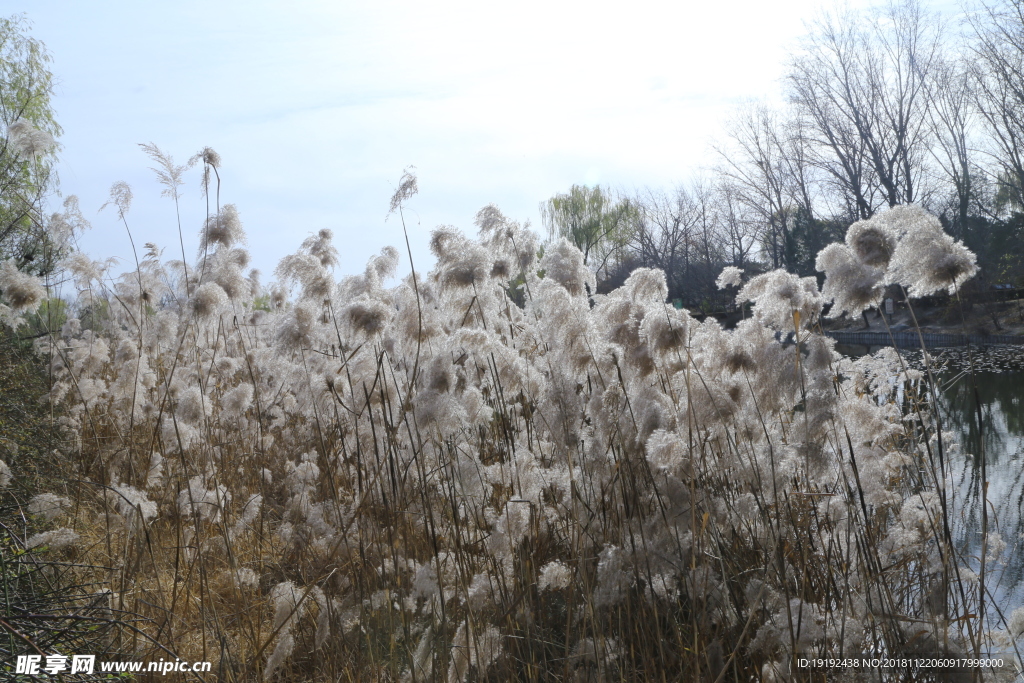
(892, 106)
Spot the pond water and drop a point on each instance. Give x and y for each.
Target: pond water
(1001, 440)
(999, 375)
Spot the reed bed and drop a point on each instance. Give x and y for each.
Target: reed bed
(421, 479)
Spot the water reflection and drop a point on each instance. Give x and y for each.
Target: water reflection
(1001, 440)
(1000, 437)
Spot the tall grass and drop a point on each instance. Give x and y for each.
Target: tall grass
(345, 480)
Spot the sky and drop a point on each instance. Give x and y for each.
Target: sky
(317, 107)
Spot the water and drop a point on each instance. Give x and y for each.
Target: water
(999, 375)
(1001, 440)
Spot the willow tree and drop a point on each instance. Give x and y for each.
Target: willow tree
(595, 222)
(27, 150)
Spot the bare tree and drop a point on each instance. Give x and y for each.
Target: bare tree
(665, 235)
(767, 169)
(691, 234)
(740, 228)
(999, 87)
(709, 240)
(860, 88)
(952, 115)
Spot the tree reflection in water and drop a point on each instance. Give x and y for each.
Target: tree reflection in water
(1000, 395)
(1000, 392)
